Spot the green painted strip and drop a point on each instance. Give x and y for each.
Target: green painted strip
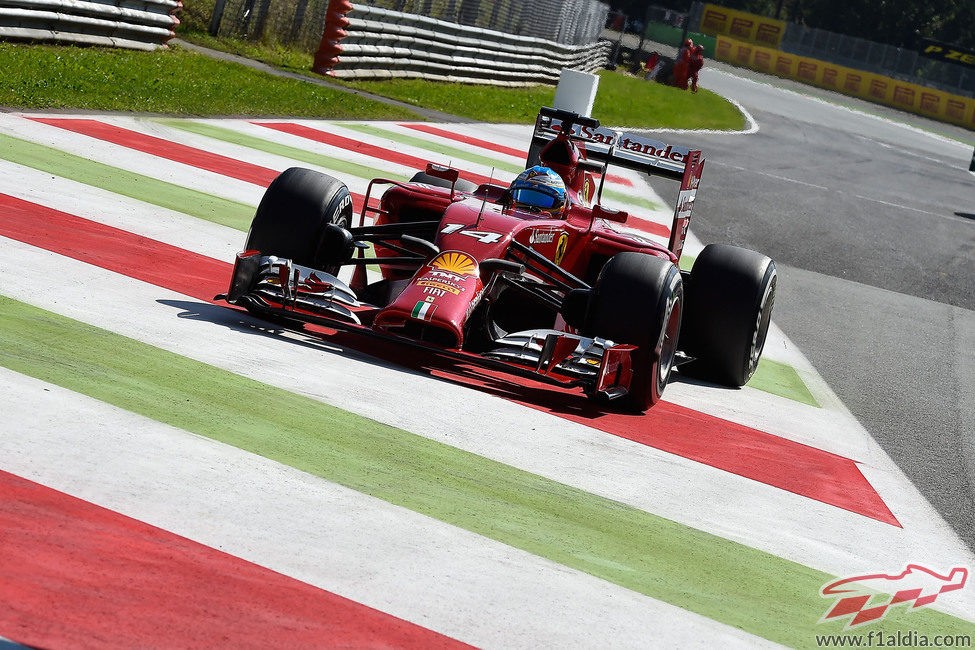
(462, 154)
(143, 188)
(630, 199)
(781, 379)
(286, 151)
(420, 143)
(726, 581)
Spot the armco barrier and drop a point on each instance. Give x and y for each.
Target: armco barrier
(877, 88)
(132, 24)
(386, 44)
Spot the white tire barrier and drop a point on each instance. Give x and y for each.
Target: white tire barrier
(384, 44)
(131, 24)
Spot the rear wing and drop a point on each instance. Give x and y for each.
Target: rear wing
(630, 151)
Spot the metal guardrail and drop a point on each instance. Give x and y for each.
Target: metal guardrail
(896, 62)
(299, 22)
(382, 44)
(575, 22)
(903, 64)
(131, 24)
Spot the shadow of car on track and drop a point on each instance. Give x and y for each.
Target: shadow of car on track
(241, 321)
(390, 355)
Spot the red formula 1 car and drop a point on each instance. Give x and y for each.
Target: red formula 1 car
(531, 278)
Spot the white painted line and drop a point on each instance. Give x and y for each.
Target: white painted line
(389, 558)
(768, 175)
(129, 159)
(751, 125)
(174, 228)
(906, 207)
(792, 180)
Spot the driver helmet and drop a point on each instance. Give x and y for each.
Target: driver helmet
(539, 189)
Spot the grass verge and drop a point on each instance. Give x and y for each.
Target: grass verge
(174, 81)
(622, 100)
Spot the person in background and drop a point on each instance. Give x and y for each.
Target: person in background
(695, 63)
(682, 65)
(650, 67)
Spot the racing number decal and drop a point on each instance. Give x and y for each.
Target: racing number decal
(560, 248)
(483, 237)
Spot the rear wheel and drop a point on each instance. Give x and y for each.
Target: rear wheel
(291, 220)
(729, 307)
(638, 299)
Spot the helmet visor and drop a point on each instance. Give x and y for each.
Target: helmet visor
(534, 197)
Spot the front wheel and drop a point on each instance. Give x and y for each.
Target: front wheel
(291, 220)
(729, 307)
(638, 299)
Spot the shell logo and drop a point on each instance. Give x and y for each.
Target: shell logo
(453, 262)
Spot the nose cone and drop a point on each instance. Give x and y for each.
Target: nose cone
(437, 302)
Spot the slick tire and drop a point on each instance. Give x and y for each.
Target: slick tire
(291, 218)
(638, 299)
(730, 295)
(461, 185)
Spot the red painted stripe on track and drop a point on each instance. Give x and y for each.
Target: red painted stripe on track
(388, 155)
(651, 227)
(249, 172)
(77, 574)
(466, 139)
(750, 453)
(492, 146)
(351, 144)
(174, 151)
(728, 446)
(113, 249)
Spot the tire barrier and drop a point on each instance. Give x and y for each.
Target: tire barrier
(131, 24)
(384, 44)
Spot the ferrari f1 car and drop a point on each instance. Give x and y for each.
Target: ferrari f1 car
(530, 278)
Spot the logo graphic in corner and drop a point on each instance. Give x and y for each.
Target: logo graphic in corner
(915, 585)
(454, 262)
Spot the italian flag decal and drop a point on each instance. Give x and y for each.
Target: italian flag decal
(423, 310)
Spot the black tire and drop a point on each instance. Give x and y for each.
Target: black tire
(638, 299)
(461, 185)
(730, 296)
(291, 219)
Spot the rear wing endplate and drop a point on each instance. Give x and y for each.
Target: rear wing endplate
(630, 151)
(627, 150)
(693, 168)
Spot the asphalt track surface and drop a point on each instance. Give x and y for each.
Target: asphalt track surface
(871, 221)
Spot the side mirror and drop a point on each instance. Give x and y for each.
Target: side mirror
(599, 212)
(441, 171)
